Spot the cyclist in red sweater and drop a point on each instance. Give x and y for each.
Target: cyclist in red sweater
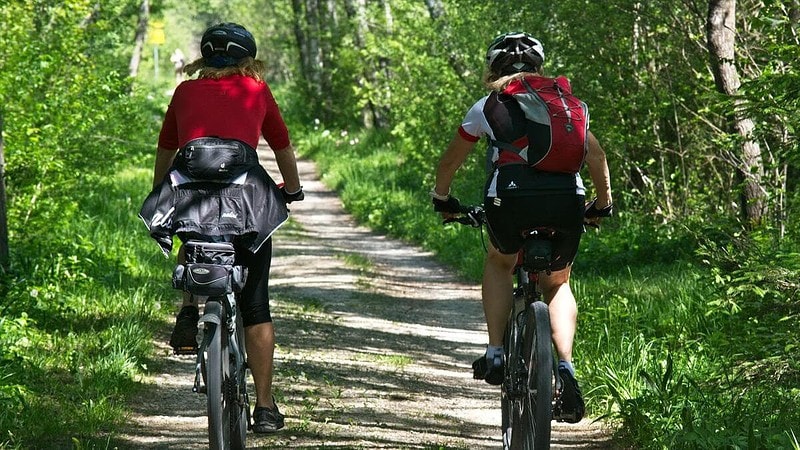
(229, 99)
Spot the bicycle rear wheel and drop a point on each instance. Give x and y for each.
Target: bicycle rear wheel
(517, 421)
(240, 405)
(217, 371)
(508, 397)
(538, 355)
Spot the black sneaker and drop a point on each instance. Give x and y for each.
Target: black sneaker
(266, 420)
(569, 405)
(184, 335)
(493, 375)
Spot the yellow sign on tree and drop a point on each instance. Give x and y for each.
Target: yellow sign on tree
(155, 33)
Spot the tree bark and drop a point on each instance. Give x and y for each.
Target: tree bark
(4, 258)
(300, 35)
(308, 30)
(329, 30)
(141, 33)
(436, 12)
(357, 14)
(721, 34)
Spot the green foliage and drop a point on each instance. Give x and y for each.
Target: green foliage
(78, 310)
(684, 319)
(658, 340)
(67, 120)
(687, 326)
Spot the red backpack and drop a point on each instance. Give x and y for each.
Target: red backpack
(558, 124)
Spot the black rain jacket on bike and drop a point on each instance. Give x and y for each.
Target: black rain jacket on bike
(250, 208)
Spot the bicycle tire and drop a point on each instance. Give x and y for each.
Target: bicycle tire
(506, 396)
(538, 356)
(217, 369)
(518, 422)
(240, 405)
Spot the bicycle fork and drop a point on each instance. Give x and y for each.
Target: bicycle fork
(516, 387)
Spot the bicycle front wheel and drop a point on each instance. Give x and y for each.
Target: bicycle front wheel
(538, 356)
(217, 372)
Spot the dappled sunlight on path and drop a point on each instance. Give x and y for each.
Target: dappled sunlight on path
(375, 342)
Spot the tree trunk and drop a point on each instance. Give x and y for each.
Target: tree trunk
(314, 52)
(141, 33)
(4, 259)
(357, 13)
(721, 34)
(329, 30)
(436, 12)
(435, 8)
(300, 35)
(308, 31)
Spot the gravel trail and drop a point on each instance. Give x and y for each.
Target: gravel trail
(375, 341)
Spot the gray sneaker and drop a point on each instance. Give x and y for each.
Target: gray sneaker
(491, 374)
(266, 420)
(569, 405)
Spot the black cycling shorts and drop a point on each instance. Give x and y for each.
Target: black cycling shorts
(254, 300)
(514, 215)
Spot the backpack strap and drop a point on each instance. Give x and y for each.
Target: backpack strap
(506, 146)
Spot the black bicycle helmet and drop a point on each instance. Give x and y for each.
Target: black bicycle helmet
(226, 43)
(515, 52)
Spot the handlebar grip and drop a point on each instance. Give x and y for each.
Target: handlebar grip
(472, 216)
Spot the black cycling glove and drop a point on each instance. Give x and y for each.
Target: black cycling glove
(451, 205)
(591, 211)
(294, 196)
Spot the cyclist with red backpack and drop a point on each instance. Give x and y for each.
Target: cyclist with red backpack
(539, 139)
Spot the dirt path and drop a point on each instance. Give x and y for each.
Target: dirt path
(375, 341)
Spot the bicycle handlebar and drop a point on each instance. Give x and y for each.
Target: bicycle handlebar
(475, 216)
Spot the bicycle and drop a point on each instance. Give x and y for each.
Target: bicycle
(531, 376)
(221, 368)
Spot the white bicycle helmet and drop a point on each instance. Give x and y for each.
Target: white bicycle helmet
(514, 52)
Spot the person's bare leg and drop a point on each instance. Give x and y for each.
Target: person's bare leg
(563, 310)
(570, 406)
(497, 290)
(260, 343)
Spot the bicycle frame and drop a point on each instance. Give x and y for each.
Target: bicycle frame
(531, 377)
(211, 271)
(527, 390)
(530, 369)
(221, 366)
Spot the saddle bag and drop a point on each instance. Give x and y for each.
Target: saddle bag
(209, 270)
(538, 255)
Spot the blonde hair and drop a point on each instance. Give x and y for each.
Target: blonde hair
(247, 66)
(495, 82)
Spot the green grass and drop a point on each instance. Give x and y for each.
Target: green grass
(687, 333)
(77, 322)
(685, 342)
(358, 262)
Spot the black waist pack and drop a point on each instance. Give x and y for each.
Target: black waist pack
(215, 159)
(209, 270)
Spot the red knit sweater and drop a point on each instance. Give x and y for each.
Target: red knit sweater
(234, 107)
